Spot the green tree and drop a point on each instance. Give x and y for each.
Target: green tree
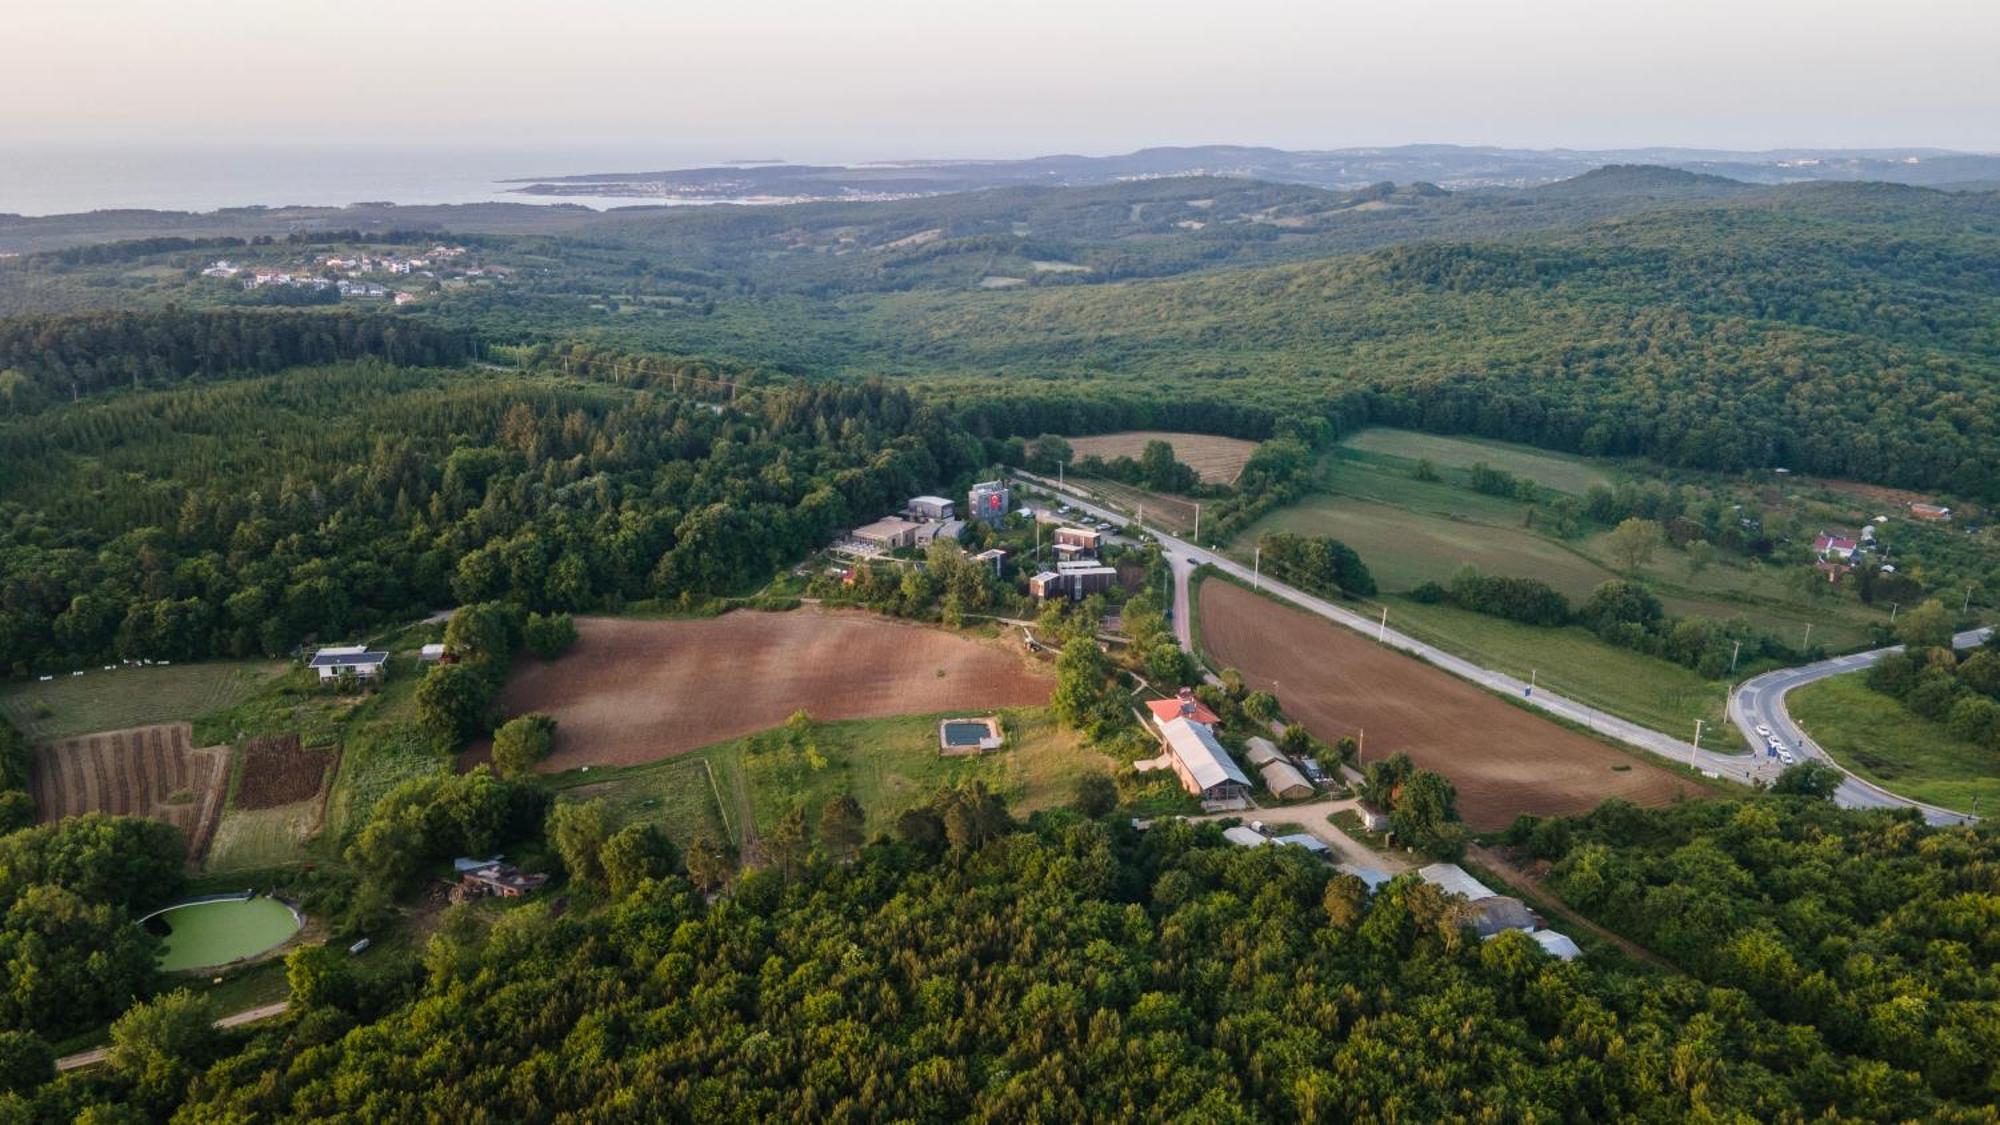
(1081, 671)
(1927, 626)
(710, 863)
(790, 843)
(1700, 554)
(1426, 814)
(26, 1062)
(157, 1046)
(1634, 542)
(634, 854)
(1096, 795)
(451, 703)
(521, 742)
(549, 636)
(840, 826)
(577, 831)
(1809, 778)
(320, 977)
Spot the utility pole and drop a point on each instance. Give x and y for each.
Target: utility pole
(1257, 569)
(1893, 607)
(1197, 525)
(1733, 655)
(1530, 693)
(1807, 644)
(1697, 742)
(1382, 634)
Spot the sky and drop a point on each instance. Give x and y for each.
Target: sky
(881, 79)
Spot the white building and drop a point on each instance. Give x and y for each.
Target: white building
(355, 660)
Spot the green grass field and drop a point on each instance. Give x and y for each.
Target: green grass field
(254, 839)
(1573, 663)
(887, 765)
(131, 697)
(1551, 470)
(1877, 737)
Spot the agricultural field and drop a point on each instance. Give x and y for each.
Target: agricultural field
(1573, 475)
(1171, 514)
(1571, 662)
(632, 691)
(1504, 760)
(1216, 460)
(278, 803)
(130, 696)
(151, 771)
(1877, 737)
(887, 764)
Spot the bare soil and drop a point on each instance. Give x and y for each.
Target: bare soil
(1218, 460)
(634, 691)
(1505, 761)
(278, 771)
(148, 771)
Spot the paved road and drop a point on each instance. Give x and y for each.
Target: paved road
(235, 1019)
(1760, 701)
(1735, 763)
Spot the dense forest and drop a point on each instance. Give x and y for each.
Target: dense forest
(248, 515)
(966, 967)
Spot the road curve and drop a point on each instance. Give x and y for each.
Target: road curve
(1760, 701)
(1742, 765)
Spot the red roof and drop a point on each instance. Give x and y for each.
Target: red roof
(1834, 543)
(1185, 706)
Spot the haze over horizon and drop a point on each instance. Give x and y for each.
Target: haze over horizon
(887, 79)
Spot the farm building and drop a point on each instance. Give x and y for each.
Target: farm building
(1261, 752)
(1309, 842)
(987, 502)
(1454, 880)
(1369, 876)
(1285, 781)
(1244, 837)
(1182, 706)
(431, 654)
(1081, 538)
(930, 508)
(1494, 913)
(889, 533)
(1372, 818)
(353, 660)
(495, 880)
(1559, 946)
(1204, 767)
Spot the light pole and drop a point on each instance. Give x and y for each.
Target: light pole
(1257, 569)
(1733, 655)
(1197, 523)
(1697, 743)
(1530, 693)
(1807, 643)
(1382, 633)
(1893, 608)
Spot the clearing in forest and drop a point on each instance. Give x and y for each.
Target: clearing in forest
(145, 771)
(1550, 470)
(632, 691)
(1504, 760)
(1217, 460)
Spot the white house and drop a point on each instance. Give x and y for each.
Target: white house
(355, 660)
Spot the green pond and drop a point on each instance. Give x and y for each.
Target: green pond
(198, 935)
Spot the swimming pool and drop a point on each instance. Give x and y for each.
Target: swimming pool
(212, 932)
(969, 736)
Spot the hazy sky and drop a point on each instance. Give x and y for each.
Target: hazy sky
(805, 79)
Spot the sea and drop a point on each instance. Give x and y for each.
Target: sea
(66, 180)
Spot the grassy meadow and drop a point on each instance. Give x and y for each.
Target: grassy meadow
(131, 696)
(1877, 737)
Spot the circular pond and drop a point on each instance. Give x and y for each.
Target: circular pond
(200, 935)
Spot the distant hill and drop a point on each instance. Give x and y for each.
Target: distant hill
(1646, 180)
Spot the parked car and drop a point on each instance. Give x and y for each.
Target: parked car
(1763, 730)
(1785, 756)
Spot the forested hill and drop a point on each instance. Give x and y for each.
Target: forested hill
(1851, 331)
(45, 359)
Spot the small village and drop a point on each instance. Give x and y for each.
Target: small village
(365, 276)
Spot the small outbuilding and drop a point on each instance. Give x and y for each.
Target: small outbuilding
(1245, 837)
(1559, 946)
(1261, 751)
(1372, 818)
(1455, 880)
(1285, 781)
(888, 534)
(1309, 842)
(1494, 913)
(1371, 877)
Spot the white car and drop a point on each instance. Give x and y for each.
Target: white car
(1785, 756)
(1763, 730)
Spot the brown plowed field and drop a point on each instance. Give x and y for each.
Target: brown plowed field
(278, 771)
(1218, 460)
(635, 691)
(1504, 761)
(134, 773)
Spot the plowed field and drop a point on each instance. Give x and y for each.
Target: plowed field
(633, 691)
(1504, 761)
(145, 771)
(1218, 460)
